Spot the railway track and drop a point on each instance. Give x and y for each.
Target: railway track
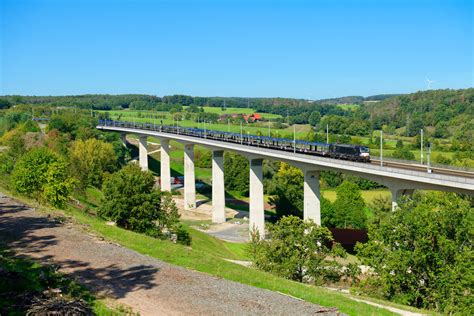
(286, 145)
(424, 168)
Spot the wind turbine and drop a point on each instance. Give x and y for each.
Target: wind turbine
(429, 83)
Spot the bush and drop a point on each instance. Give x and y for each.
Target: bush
(41, 171)
(403, 153)
(296, 250)
(90, 159)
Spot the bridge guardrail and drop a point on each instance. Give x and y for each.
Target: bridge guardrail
(156, 128)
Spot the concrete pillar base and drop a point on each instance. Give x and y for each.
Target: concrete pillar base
(257, 213)
(218, 188)
(189, 180)
(143, 152)
(396, 194)
(165, 172)
(312, 205)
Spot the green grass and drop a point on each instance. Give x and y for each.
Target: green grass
(218, 110)
(238, 249)
(348, 106)
(207, 255)
(367, 195)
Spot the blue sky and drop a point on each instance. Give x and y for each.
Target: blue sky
(306, 49)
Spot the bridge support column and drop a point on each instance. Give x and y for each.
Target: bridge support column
(165, 176)
(312, 205)
(123, 138)
(218, 189)
(257, 214)
(143, 153)
(396, 194)
(189, 180)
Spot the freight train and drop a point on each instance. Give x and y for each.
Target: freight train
(336, 151)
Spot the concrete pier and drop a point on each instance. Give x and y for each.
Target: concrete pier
(189, 179)
(165, 172)
(218, 188)
(396, 194)
(143, 153)
(257, 214)
(312, 195)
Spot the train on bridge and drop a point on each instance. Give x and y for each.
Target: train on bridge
(336, 151)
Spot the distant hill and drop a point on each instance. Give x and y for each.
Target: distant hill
(449, 112)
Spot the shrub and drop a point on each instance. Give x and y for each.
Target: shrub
(43, 172)
(296, 250)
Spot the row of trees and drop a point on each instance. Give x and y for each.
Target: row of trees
(68, 156)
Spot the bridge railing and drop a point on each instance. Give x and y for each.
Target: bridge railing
(158, 128)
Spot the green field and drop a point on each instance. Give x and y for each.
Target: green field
(367, 195)
(348, 106)
(252, 129)
(218, 110)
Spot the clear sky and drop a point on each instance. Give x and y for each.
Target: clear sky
(307, 49)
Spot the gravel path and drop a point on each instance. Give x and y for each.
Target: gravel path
(148, 285)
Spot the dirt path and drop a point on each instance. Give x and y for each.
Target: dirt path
(149, 286)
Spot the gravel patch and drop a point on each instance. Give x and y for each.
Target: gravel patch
(148, 285)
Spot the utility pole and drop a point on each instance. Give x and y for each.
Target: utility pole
(327, 133)
(294, 138)
(428, 157)
(269, 133)
(381, 148)
(421, 149)
(241, 138)
(228, 125)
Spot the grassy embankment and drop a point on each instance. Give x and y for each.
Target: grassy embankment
(207, 254)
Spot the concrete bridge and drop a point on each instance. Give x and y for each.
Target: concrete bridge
(399, 180)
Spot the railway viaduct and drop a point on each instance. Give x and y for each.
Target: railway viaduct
(399, 179)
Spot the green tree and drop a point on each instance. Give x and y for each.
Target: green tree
(132, 202)
(287, 195)
(58, 185)
(422, 254)
(296, 249)
(314, 118)
(42, 172)
(29, 174)
(4, 104)
(349, 207)
(236, 173)
(90, 159)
